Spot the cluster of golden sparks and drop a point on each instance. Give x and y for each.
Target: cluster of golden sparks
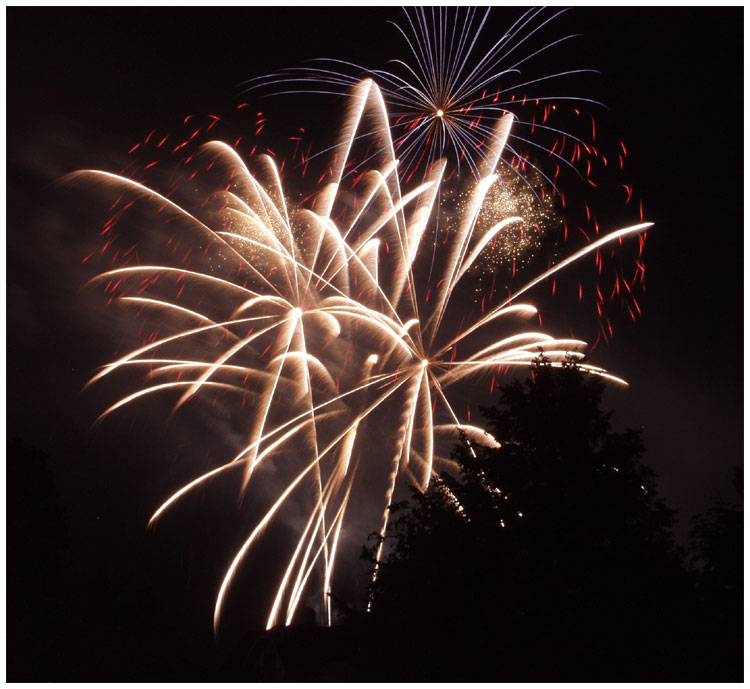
(319, 322)
(511, 250)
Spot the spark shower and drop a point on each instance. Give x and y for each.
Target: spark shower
(342, 345)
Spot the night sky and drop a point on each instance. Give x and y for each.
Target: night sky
(84, 85)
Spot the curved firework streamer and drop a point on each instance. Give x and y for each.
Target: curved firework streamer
(318, 308)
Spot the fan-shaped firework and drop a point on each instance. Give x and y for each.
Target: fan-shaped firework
(315, 320)
(446, 97)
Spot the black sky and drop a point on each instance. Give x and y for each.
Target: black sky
(84, 84)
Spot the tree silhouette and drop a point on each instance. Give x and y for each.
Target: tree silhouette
(717, 557)
(716, 540)
(548, 558)
(66, 625)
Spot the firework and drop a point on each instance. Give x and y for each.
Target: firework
(455, 80)
(447, 95)
(325, 326)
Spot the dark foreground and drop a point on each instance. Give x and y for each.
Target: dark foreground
(65, 625)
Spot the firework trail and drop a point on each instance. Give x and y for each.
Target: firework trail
(313, 320)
